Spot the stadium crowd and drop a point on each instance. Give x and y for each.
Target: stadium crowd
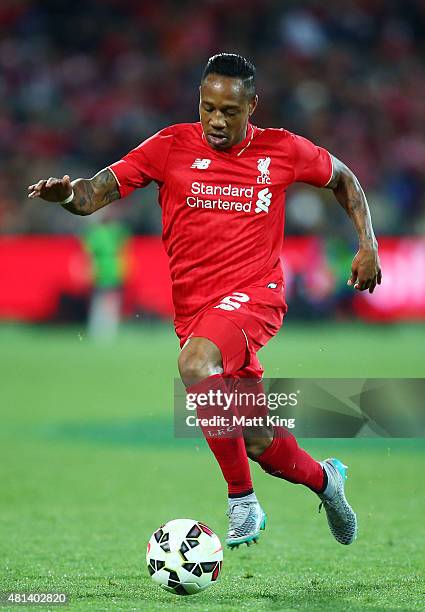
(82, 83)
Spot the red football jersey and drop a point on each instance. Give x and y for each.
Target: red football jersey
(222, 211)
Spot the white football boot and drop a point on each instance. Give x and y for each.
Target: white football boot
(246, 520)
(342, 520)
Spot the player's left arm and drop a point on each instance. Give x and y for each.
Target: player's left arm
(366, 268)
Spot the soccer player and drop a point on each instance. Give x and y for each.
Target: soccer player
(222, 186)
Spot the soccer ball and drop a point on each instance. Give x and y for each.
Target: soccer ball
(184, 556)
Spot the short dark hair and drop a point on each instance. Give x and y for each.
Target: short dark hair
(232, 65)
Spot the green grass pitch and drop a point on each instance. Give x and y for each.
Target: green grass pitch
(89, 468)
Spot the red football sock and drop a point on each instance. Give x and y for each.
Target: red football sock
(285, 459)
(227, 444)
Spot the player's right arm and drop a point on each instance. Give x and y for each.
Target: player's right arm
(135, 170)
(88, 195)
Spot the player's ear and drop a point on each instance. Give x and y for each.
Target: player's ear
(253, 104)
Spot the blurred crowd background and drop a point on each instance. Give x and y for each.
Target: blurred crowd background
(81, 83)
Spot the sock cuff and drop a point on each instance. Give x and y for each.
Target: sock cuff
(248, 497)
(269, 452)
(202, 384)
(278, 435)
(246, 493)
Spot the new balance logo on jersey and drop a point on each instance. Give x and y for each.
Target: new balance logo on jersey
(201, 164)
(263, 168)
(264, 199)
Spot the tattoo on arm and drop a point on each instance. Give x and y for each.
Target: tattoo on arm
(351, 196)
(92, 194)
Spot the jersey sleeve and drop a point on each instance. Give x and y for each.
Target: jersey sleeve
(312, 164)
(144, 164)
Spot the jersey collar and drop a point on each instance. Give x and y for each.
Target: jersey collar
(237, 149)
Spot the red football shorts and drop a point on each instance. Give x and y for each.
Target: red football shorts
(240, 324)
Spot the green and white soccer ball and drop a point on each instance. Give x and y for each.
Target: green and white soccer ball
(184, 556)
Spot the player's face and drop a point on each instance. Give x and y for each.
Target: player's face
(224, 110)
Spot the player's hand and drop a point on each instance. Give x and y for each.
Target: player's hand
(365, 270)
(52, 189)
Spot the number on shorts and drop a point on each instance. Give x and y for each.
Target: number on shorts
(233, 302)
